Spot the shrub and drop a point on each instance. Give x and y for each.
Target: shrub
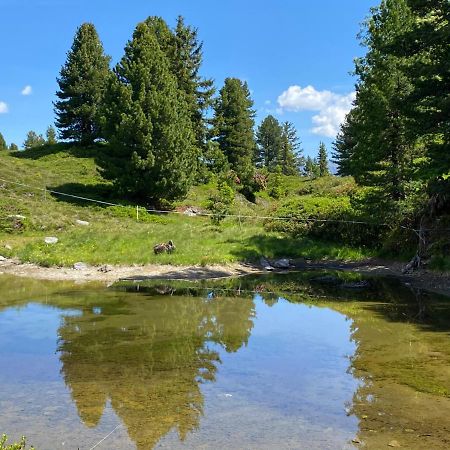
(221, 202)
(324, 218)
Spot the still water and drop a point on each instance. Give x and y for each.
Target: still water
(301, 361)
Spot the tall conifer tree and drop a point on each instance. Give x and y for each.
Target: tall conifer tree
(233, 127)
(82, 85)
(290, 154)
(147, 120)
(269, 137)
(322, 159)
(3, 145)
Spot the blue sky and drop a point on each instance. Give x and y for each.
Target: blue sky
(296, 55)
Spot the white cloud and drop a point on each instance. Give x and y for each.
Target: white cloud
(27, 90)
(3, 108)
(331, 107)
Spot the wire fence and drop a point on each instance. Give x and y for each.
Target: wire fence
(205, 214)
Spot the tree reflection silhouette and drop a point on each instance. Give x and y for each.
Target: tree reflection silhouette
(148, 357)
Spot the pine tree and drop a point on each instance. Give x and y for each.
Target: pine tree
(13, 147)
(290, 154)
(344, 145)
(146, 118)
(426, 45)
(33, 140)
(3, 145)
(233, 128)
(269, 137)
(384, 153)
(323, 161)
(82, 85)
(311, 168)
(186, 67)
(51, 136)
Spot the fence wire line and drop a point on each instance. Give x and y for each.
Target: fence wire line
(203, 214)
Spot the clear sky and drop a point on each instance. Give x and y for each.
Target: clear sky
(296, 55)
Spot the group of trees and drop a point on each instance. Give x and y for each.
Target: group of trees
(154, 109)
(395, 140)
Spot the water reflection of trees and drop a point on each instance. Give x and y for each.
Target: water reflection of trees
(148, 358)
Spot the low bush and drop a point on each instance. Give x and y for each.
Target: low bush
(324, 218)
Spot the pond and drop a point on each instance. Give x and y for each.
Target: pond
(297, 361)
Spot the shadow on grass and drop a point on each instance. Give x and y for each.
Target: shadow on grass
(93, 151)
(101, 191)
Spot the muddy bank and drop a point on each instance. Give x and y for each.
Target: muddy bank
(438, 282)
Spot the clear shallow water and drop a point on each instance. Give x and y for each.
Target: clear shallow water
(299, 365)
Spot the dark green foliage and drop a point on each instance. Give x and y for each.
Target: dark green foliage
(82, 84)
(212, 162)
(344, 146)
(233, 128)
(13, 147)
(323, 161)
(3, 145)
(51, 136)
(220, 203)
(325, 218)
(311, 168)
(186, 67)
(290, 157)
(426, 44)
(275, 185)
(33, 140)
(146, 118)
(278, 146)
(269, 137)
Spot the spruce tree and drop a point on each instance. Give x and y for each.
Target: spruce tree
(311, 168)
(146, 118)
(82, 85)
(199, 91)
(13, 147)
(3, 145)
(323, 161)
(344, 146)
(51, 136)
(269, 137)
(233, 128)
(426, 44)
(384, 153)
(33, 140)
(290, 155)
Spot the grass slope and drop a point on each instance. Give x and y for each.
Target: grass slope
(114, 235)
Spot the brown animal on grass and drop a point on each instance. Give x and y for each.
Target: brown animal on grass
(168, 247)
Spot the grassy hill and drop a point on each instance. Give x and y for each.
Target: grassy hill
(115, 235)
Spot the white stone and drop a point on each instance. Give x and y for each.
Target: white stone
(51, 240)
(82, 223)
(80, 266)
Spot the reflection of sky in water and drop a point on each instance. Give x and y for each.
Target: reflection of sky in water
(219, 372)
(292, 372)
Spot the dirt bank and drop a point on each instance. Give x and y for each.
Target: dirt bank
(438, 282)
